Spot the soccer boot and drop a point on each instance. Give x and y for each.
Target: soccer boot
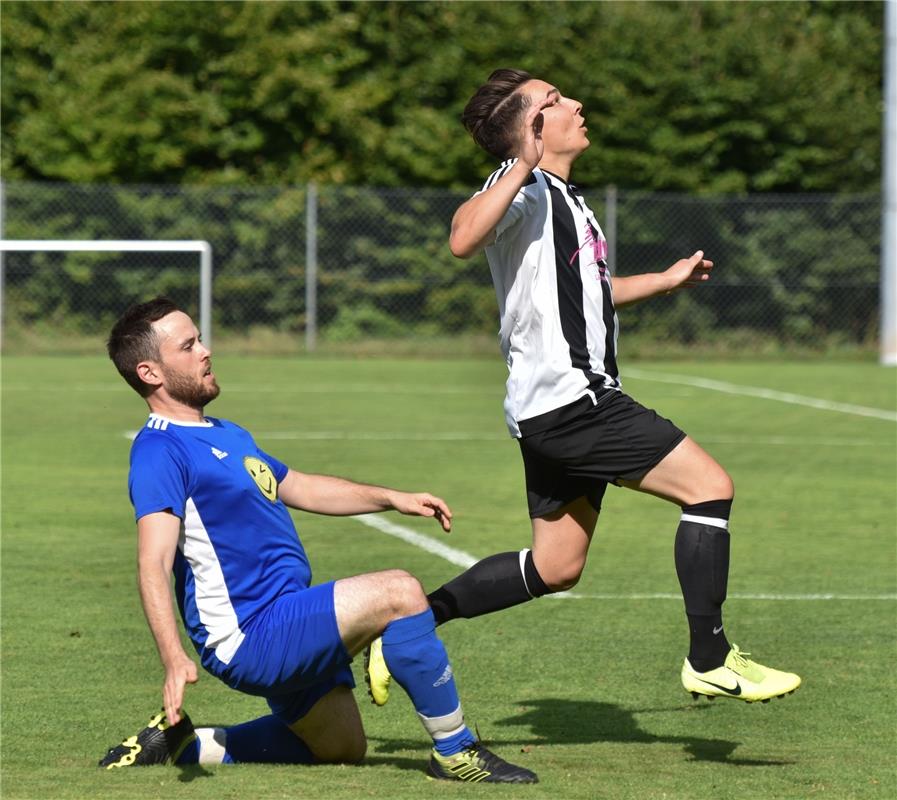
(740, 679)
(159, 742)
(376, 673)
(477, 764)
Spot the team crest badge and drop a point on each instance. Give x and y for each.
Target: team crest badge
(262, 475)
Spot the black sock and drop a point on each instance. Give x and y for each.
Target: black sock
(496, 582)
(702, 564)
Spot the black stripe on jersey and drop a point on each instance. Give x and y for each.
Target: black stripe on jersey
(569, 284)
(610, 350)
(608, 312)
(503, 170)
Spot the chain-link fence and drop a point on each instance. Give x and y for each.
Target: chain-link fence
(792, 270)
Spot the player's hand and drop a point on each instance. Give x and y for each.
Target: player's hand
(531, 145)
(424, 505)
(177, 675)
(689, 271)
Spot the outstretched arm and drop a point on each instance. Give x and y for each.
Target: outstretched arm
(474, 223)
(157, 536)
(325, 494)
(685, 272)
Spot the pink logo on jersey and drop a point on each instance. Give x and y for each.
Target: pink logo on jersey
(598, 248)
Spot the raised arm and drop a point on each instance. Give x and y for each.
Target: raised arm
(325, 494)
(474, 223)
(157, 536)
(685, 272)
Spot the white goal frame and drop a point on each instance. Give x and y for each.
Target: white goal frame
(128, 246)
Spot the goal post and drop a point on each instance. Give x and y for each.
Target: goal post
(128, 246)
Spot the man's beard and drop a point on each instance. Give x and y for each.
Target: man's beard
(189, 391)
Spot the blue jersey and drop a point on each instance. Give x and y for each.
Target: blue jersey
(238, 548)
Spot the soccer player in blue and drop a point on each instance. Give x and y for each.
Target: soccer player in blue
(211, 510)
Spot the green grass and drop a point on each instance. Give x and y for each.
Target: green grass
(583, 691)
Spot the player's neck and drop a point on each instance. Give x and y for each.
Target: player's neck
(560, 165)
(169, 408)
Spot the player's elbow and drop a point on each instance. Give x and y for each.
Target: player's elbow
(466, 239)
(461, 246)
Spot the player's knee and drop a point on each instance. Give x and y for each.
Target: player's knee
(353, 750)
(724, 486)
(717, 485)
(349, 749)
(406, 595)
(560, 577)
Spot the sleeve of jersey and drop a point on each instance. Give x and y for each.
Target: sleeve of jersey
(158, 480)
(279, 469)
(523, 204)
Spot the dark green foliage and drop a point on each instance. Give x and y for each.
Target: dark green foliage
(696, 97)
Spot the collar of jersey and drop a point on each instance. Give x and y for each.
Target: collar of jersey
(204, 424)
(556, 177)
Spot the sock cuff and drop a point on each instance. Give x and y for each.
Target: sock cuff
(532, 580)
(405, 629)
(713, 513)
(710, 522)
(710, 508)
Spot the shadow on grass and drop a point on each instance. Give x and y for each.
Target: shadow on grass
(553, 721)
(190, 772)
(558, 721)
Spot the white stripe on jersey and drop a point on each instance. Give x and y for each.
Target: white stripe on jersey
(216, 612)
(558, 324)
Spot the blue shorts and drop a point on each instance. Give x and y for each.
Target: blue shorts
(292, 654)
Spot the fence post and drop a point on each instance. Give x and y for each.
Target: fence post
(888, 331)
(311, 267)
(2, 257)
(610, 226)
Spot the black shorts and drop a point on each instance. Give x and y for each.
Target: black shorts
(617, 439)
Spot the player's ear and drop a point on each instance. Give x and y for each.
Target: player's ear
(149, 373)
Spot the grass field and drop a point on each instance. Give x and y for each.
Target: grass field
(583, 690)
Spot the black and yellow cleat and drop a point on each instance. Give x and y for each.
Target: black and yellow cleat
(476, 764)
(159, 742)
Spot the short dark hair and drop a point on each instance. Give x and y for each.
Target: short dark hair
(133, 339)
(490, 114)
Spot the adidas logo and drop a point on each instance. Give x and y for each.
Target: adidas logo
(219, 454)
(445, 677)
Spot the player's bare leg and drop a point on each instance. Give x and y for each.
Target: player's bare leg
(392, 606)
(332, 729)
(561, 544)
(691, 478)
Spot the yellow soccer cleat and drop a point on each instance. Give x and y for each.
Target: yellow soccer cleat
(740, 679)
(376, 673)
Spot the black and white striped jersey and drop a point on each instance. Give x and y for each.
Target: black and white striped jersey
(558, 323)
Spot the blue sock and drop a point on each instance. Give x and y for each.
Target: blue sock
(266, 740)
(418, 661)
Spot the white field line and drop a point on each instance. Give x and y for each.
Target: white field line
(766, 394)
(325, 436)
(407, 436)
(464, 560)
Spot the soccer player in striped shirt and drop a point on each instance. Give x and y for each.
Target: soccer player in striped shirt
(211, 510)
(578, 431)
